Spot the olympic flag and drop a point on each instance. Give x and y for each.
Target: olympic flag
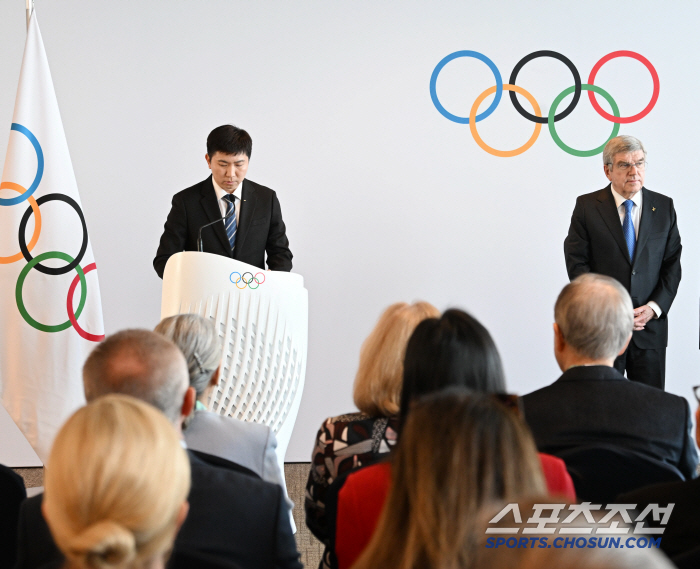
(46, 329)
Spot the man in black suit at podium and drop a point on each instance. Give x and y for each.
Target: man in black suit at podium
(252, 224)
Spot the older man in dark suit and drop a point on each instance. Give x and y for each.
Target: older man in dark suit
(592, 404)
(234, 517)
(630, 233)
(252, 224)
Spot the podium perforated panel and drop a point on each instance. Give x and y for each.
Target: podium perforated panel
(262, 360)
(263, 331)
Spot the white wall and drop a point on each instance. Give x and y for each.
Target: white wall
(384, 199)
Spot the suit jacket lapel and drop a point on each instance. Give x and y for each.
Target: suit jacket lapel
(248, 202)
(210, 205)
(609, 213)
(647, 221)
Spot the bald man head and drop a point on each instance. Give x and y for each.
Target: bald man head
(142, 364)
(594, 317)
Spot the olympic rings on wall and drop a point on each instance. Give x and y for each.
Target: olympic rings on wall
(537, 117)
(241, 279)
(35, 262)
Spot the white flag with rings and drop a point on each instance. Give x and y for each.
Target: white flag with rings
(50, 307)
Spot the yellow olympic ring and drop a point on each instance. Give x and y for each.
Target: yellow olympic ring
(486, 147)
(37, 222)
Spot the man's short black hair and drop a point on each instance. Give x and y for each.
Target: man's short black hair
(229, 139)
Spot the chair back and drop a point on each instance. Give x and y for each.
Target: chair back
(601, 473)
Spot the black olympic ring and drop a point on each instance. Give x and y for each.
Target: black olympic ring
(577, 85)
(250, 280)
(23, 245)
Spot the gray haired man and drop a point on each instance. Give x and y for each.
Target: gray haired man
(630, 233)
(592, 404)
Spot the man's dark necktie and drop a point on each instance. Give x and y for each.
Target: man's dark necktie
(230, 222)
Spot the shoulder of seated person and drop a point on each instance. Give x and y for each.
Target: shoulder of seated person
(349, 418)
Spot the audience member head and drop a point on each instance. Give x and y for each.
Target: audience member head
(458, 453)
(142, 364)
(377, 390)
(197, 339)
(594, 320)
(453, 350)
(116, 485)
(229, 139)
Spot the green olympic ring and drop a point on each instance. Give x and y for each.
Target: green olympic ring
(553, 110)
(20, 284)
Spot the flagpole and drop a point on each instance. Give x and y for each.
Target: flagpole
(30, 8)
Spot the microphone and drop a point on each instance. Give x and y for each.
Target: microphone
(200, 243)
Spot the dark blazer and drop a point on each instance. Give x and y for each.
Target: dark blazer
(232, 517)
(12, 493)
(596, 244)
(592, 405)
(260, 227)
(682, 533)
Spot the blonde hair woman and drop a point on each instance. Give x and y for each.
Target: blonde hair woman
(116, 486)
(459, 453)
(365, 436)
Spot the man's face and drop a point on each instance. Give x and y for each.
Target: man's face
(626, 172)
(228, 170)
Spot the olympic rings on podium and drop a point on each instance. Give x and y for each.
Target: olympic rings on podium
(551, 117)
(247, 282)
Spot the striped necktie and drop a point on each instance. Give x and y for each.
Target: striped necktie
(628, 228)
(230, 222)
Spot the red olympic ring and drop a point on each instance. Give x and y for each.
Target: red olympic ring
(654, 96)
(71, 314)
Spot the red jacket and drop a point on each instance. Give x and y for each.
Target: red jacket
(362, 497)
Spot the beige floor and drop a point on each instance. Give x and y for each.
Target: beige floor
(296, 474)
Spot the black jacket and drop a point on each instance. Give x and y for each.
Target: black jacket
(260, 227)
(682, 533)
(596, 244)
(591, 405)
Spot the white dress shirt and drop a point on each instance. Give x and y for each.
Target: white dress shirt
(223, 204)
(636, 217)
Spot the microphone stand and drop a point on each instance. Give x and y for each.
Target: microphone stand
(200, 243)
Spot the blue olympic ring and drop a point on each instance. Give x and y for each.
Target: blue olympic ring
(39, 167)
(481, 57)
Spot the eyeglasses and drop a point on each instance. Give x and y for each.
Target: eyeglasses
(696, 391)
(626, 166)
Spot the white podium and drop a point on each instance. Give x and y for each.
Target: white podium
(262, 319)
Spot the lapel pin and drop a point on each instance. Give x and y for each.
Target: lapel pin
(653, 209)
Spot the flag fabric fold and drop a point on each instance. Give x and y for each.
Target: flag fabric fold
(50, 307)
